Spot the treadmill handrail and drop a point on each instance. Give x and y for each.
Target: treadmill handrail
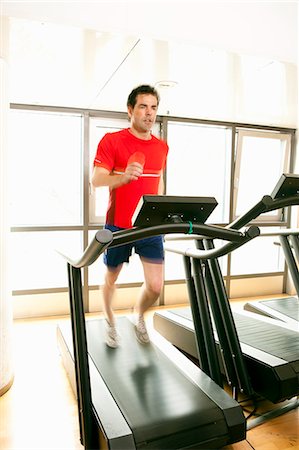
(207, 231)
(283, 202)
(250, 233)
(99, 243)
(284, 232)
(252, 214)
(105, 238)
(265, 205)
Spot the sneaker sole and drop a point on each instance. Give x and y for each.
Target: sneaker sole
(112, 345)
(140, 338)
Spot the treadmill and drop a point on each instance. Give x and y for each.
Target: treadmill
(269, 362)
(286, 308)
(146, 396)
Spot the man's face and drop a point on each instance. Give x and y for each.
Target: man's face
(144, 113)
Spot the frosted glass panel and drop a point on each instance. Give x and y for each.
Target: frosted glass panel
(262, 161)
(35, 261)
(174, 263)
(45, 168)
(199, 164)
(260, 255)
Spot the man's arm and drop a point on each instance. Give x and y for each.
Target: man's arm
(102, 176)
(161, 185)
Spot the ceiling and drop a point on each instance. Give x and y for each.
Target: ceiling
(266, 28)
(161, 39)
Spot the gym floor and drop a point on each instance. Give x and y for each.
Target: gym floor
(39, 411)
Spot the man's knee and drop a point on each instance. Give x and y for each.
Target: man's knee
(112, 275)
(155, 286)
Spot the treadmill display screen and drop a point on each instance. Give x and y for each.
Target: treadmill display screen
(287, 186)
(161, 209)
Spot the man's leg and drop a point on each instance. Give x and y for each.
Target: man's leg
(112, 336)
(108, 292)
(152, 287)
(150, 291)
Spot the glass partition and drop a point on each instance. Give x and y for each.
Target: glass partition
(261, 255)
(261, 158)
(36, 263)
(199, 164)
(45, 156)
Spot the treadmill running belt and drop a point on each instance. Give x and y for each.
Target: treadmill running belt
(155, 399)
(270, 338)
(288, 306)
(262, 336)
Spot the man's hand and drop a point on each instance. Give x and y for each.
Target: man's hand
(133, 171)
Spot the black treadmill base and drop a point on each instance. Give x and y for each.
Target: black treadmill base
(161, 407)
(275, 379)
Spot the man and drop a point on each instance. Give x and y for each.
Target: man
(131, 163)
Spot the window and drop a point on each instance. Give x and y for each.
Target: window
(199, 164)
(36, 263)
(261, 158)
(261, 255)
(46, 193)
(45, 151)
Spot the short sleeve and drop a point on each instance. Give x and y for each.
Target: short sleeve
(105, 154)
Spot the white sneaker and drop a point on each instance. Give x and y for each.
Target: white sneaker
(112, 336)
(141, 331)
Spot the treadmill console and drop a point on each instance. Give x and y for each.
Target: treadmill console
(287, 186)
(160, 209)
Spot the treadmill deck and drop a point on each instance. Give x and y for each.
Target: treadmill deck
(162, 407)
(271, 352)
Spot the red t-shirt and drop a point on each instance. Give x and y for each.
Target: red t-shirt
(113, 153)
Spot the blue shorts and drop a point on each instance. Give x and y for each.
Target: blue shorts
(150, 249)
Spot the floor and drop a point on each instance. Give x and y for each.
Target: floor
(39, 411)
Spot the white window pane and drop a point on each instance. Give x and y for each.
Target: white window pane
(36, 264)
(262, 160)
(260, 255)
(199, 164)
(174, 267)
(45, 168)
(174, 263)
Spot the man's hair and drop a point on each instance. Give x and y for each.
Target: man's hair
(143, 89)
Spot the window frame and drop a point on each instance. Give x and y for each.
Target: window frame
(275, 216)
